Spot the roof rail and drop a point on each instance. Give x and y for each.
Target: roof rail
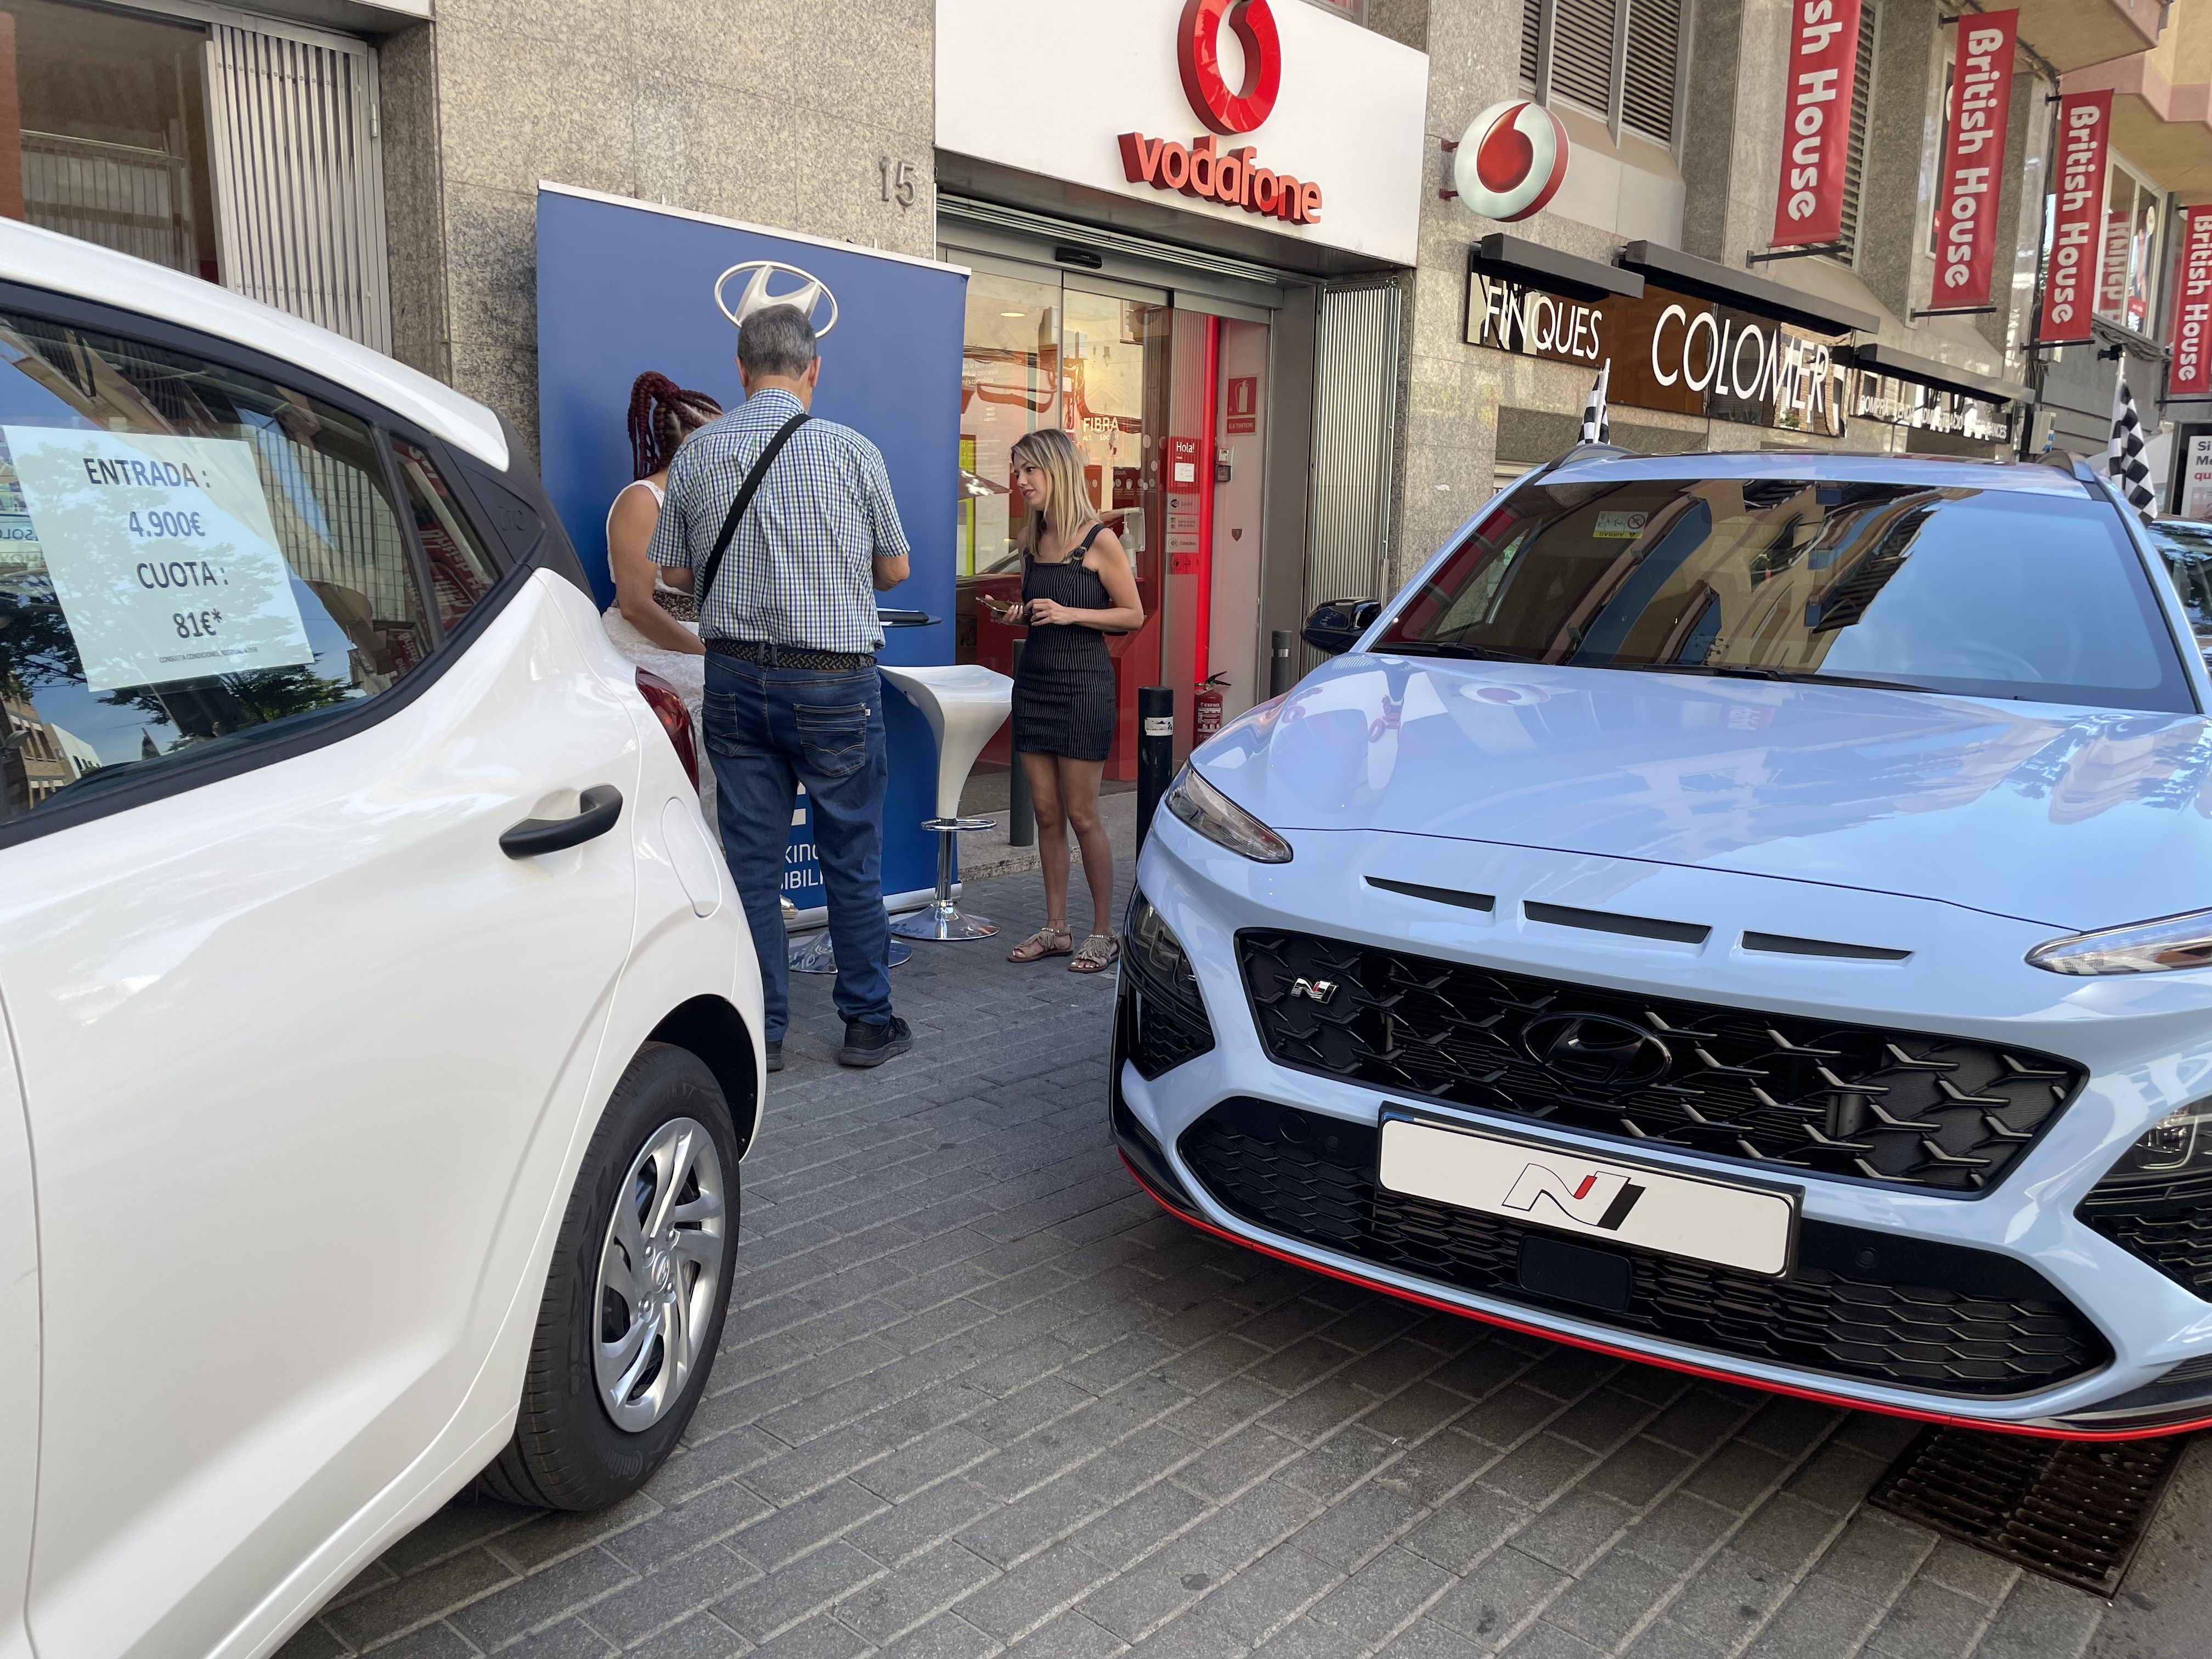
(2079, 468)
(1583, 452)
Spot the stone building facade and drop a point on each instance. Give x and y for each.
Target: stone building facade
(855, 121)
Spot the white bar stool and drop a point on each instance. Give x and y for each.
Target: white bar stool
(964, 703)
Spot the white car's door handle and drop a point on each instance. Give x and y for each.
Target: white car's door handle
(597, 811)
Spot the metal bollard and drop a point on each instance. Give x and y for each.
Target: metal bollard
(1155, 752)
(1280, 676)
(1021, 811)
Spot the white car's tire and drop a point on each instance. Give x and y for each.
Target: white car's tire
(636, 1294)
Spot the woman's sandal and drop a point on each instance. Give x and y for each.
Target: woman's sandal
(1098, 953)
(1045, 942)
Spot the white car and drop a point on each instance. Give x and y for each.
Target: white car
(381, 1034)
(1748, 912)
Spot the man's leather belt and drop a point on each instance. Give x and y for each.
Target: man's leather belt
(768, 655)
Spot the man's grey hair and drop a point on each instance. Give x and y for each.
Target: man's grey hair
(777, 340)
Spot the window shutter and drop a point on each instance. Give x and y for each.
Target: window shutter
(1655, 40)
(1355, 422)
(1855, 154)
(299, 177)
(1581, 52)
(1532, 24)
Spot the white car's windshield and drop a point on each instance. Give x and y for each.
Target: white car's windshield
(1983, 592)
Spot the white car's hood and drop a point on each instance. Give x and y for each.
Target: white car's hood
(2076, 818)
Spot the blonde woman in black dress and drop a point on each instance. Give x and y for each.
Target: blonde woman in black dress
(1077, 588)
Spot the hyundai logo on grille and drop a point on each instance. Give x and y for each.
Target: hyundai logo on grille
(1596, 1049)
(1314, 990)
(803, 290)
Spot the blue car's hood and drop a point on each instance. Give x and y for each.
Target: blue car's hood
(2078, 818)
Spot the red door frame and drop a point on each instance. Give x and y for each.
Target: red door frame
(1202, 633)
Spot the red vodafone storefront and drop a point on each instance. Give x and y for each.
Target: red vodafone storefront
(1157, 261)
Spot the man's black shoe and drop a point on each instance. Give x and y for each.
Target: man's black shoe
(775, 1056)
(872, 1045)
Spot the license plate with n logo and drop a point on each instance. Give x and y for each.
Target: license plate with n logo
(1749, 1225)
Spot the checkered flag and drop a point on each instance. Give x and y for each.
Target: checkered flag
(2124, 465)
(1597, 427)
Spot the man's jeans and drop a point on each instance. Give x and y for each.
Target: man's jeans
(768, 728)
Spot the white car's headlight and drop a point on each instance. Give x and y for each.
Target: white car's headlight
(1223, 822)
(2147, 947)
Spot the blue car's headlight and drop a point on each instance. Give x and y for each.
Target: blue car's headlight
(2146, 947)
(1223, 822)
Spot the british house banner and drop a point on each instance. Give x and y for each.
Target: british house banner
(2069, 275)
(2191, 374)
(1973, 160)
(1816, 123)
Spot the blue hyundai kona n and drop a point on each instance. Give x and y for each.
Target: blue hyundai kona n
(1749, 913)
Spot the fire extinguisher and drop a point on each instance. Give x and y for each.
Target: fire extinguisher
(1206, 705)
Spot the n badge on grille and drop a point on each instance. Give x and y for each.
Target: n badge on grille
(1314, 990)
(1600, 1198)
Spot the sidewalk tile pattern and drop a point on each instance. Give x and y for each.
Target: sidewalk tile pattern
(979, 1396)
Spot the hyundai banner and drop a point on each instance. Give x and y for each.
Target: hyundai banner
(2190, 375)
(1973, 160)
(625, 286)
(1816, 117)
(2069, 275)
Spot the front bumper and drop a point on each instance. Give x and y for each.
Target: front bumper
(2000, 1310)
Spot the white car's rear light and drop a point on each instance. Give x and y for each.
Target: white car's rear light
(2145, 947)
(668, 706)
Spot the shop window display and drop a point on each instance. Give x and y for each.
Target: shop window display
(1038, 354)
(2129, 272)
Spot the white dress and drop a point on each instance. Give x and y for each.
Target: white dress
(686, 672)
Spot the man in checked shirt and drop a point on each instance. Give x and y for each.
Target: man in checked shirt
(791, 632)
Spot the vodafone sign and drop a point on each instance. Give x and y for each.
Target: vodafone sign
(1512, 161)
(1235, 178)
(1268, 113)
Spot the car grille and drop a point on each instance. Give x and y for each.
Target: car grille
(1945, 1113)
(1163, 1017)
(2167, 1224)
(1857, 1303)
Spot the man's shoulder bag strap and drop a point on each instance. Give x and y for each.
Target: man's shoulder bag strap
(744, 499)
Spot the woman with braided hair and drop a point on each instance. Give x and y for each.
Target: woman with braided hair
(655, 626)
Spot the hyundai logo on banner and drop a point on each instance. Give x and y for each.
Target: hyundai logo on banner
(807, 291)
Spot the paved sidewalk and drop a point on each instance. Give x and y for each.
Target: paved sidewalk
(979, 1394)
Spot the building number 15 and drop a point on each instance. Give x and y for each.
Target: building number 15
(898, 180)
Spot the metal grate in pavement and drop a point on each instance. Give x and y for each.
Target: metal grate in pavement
(2071, 1509)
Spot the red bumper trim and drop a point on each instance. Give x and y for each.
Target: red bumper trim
(1711, 1373)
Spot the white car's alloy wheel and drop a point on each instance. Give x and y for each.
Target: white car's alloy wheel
(660, 1272)
(636, 1293)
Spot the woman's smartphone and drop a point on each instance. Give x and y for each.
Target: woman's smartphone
(999, 607)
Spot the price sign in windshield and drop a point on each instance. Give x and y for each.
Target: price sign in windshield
(161, 552)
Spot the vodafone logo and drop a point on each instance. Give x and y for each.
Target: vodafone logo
(1233, 178)
(1512, 161)
(1198, 51)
